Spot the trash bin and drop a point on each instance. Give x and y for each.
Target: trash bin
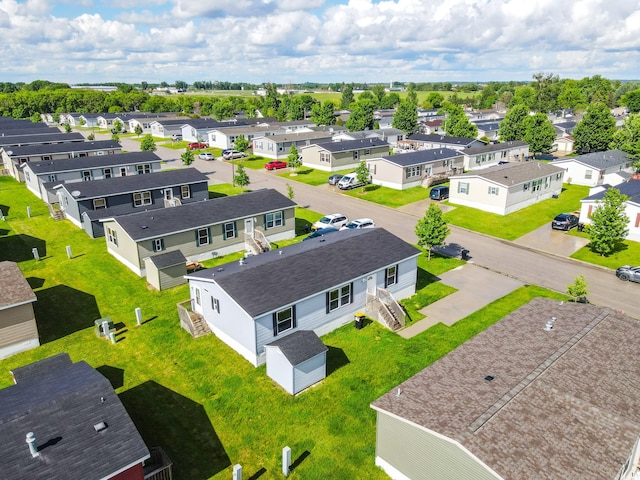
(98, 326)
(465, 254)
(359, 320)
(580, 227)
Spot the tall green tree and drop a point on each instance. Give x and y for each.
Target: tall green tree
(547, 87)
(456, 123)
(361, 117)
(293, 159)
(632, 101)
(379, 92)
(609, 223)
(432, 230)
(148, 144)
(347, 96)
(241, 144)
(514, 125)
(187, 157)
(433, 101)
(594, 133)
(322, 113)
(117, 126)
(412, 96)
(570, 96)
(627, 138)
(524, 96)
(362, 174)
(578, 289)
(540, 133)
(67, 128)
(406, 117)
(138, 129)
(241, 179)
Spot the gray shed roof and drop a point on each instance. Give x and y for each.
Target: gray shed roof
(297, 136)
(143, 225)
(14, 287)
(168, 259)
(349, 145)
(495, 147)
(299, 346)
(563, 403)
(94, 161)
(62, 406)
(421, 137)
(307, 268)
(68, 147)
(35, 138)
(421, 156)
(135, 183)
(514, 173)
(630, 189)
(599, 160)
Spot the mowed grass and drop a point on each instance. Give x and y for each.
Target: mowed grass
(311, 176)
(203, 403)
(389, 196)
(628, 254)
(523, 221)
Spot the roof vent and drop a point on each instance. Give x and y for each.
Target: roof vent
(489, 378)
(398, 392)
(241, 261)
(99, 427)
(144, 227)
(33, 447)
(549, 324)
(219, 269)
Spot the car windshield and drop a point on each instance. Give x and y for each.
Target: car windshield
(325, 220)
(351, 225)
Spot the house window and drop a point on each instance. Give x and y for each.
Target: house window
(588, 174)
(367, 152)
(141, 199)
(526, 186)
(144, 168)
(558, 176)
(270, 147)
(463, 187)
(215, 305)
(493, 190)
(355, 155)
(53, 178)
(339, 298)
(158, 244)
(86, 175)
(272, 220)
(123, 171)
(325, 157)
(284, 320)
(46, 158)
(391, 276)
(203, 236)
(112, 236)
(535, 185)
(413, 171)
(26, 175)
(229, 230)
(99, 203)
(185, 191)
(107, 172)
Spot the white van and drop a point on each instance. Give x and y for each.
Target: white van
(350, 180)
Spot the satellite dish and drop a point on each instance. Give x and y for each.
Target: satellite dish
(75, 194)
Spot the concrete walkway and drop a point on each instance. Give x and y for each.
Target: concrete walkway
(553, 241)
(476, 286)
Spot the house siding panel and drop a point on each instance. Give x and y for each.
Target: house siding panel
(279, 369)
(18, 332)
(309, 372)
(421, 455)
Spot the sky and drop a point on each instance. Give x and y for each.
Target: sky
(296, 41)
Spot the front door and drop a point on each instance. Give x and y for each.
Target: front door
(197, 300)
(371, 285)
(248, 226)
(168, 194)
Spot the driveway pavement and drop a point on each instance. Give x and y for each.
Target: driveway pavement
(549, 240)
(476, 286)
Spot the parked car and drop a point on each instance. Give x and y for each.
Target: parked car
(335, 220)
(320, 232)
(232, 154)
(349, 181)
(206, 156)
(565, 221)
(358, 223)
(275, 164)
(335, 178)
(197, 145)
(439, 193)
(628, 272)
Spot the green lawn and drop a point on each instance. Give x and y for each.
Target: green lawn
(628, 255)
(197, 398)
(523, 221)
(253, 162)
(389, 196)
(311, 176)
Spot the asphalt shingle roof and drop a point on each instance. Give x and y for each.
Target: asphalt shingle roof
(348, 145)
(421, 137)
(599, 160)
(563, 403)
(631, 189)
(61, 406)
(35, 138)
(14, 288)
(299, 346)
(307, 268)
(135, 183)
(422, 156)
(494, 147)
(93, 161)
(514, 173)
(297, 136)
(168, 259)
(69, 147)
(140, 226)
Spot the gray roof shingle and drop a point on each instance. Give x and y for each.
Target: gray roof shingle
(599, 160)
(422, 156)
(69, 147)
(495, 147)
(168, 259)
(94, 161)
(514, 173)
(143, 225)
(348, 145)
(422, 137)
(61, 406)
(630, 189)
(299, 346)
(14, 287)
(35, 138)
(308, 268)
(566, 400)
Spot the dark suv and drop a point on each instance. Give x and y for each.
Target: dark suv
(565, 221)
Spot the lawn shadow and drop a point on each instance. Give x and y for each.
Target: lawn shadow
(113, 374)
(371, 188)
(35, 282)
(302, 226)
(4, 232)
(299, 460)
(180, 426)
(4, 210)
(62, 310)
(336, 358)
(18, 248)
(216, 195)
(258, 474)
(424, 279)
(305, 172)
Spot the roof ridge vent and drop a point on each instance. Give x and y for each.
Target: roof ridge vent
(99, 427)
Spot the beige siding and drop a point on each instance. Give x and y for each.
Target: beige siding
(172, 276)
(16, 315)
(386, 174)
(17, 324)
(126, 248)
(152, 274)
(421, 455)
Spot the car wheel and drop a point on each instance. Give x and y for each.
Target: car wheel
(624, 277)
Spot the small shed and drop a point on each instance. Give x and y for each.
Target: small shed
(18, 328)
(297, 361)
(166, 270)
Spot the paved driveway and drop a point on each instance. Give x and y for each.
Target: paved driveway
(549, 240)
(476, 286)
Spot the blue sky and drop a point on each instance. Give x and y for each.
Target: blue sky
(289, 41)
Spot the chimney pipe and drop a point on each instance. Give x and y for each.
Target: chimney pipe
(33, 448)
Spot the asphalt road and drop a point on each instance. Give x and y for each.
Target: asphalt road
(527, 264)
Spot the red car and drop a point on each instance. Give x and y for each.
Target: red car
(197, 145)
(274, 165)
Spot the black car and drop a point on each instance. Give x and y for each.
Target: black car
(335, 178)
(628, 272)
(565, 221)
